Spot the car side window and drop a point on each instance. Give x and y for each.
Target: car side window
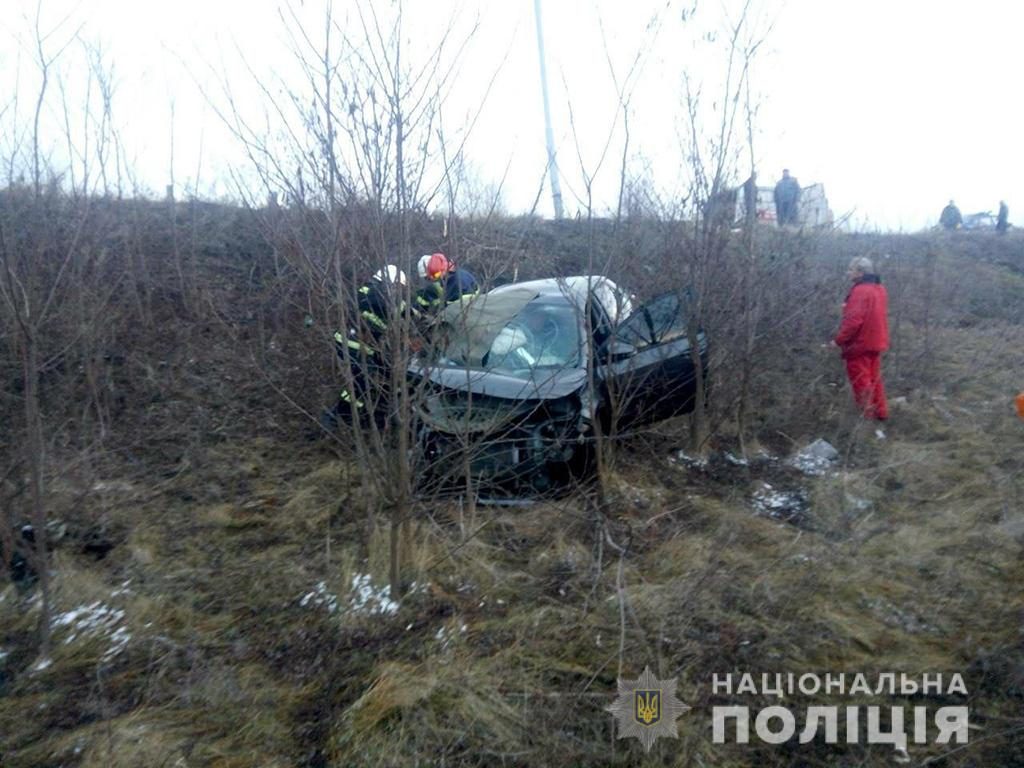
(667, 320)
(659, 320)
(635, 329)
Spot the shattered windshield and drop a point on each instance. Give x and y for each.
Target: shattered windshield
(514, 331)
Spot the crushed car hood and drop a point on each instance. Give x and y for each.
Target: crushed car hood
(542, 385)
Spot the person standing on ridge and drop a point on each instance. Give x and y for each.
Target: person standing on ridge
(787, 197)
(950, 217)
(1001, 218)
(863, 336)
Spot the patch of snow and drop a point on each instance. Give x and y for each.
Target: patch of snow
(738, 461)
(42, 664)
(858, 504)
(96, 620)
(320, 596)
(4, 654)
(364, 597)
(445, 636)
(682, 457)
(369, 599)
(118, 642)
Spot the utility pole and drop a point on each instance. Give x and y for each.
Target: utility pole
(556, 188)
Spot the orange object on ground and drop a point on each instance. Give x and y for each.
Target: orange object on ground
(1020, 405)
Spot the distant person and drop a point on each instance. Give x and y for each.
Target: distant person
(750, 199)
(1001, 218)
(950, 217)
(787, 197)
(863, 336)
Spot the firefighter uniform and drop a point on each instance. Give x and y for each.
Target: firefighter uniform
(365, 348)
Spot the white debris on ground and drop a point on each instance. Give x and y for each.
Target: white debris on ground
(364, 597)
(816, 458)
(737, 460)
(682, 457)
(370, 599)
(445, 636)
(779, 504)
(41, 665)
(857, 504)
(96, 620)
(321, 597)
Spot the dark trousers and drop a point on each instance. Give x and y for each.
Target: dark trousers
(370, 382)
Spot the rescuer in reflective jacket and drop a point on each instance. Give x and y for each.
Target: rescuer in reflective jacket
(364, 348)
(446, 283)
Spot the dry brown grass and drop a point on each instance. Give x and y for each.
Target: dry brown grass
(908, 560)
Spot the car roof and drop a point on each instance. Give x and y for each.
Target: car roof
(613, 299)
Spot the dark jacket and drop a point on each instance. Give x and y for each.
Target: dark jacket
(865, 324)
(787, 191)
(367, 336)
(1001, 219)
(950, 217)
(454, 286)
(375, 305)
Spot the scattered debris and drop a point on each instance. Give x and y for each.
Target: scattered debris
(789, 506)
(816, 458)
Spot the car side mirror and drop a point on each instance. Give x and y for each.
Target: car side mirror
(620, 350)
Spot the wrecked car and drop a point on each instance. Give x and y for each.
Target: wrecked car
(522, 378)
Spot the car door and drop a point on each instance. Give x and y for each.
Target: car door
(648, 372)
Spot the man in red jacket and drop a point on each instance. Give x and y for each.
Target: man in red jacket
(863, 337)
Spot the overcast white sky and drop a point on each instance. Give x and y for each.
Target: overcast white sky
(895, 105)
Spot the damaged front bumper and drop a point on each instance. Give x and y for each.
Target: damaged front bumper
(499, 441)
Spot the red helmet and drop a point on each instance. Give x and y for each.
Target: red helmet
(435, 266)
